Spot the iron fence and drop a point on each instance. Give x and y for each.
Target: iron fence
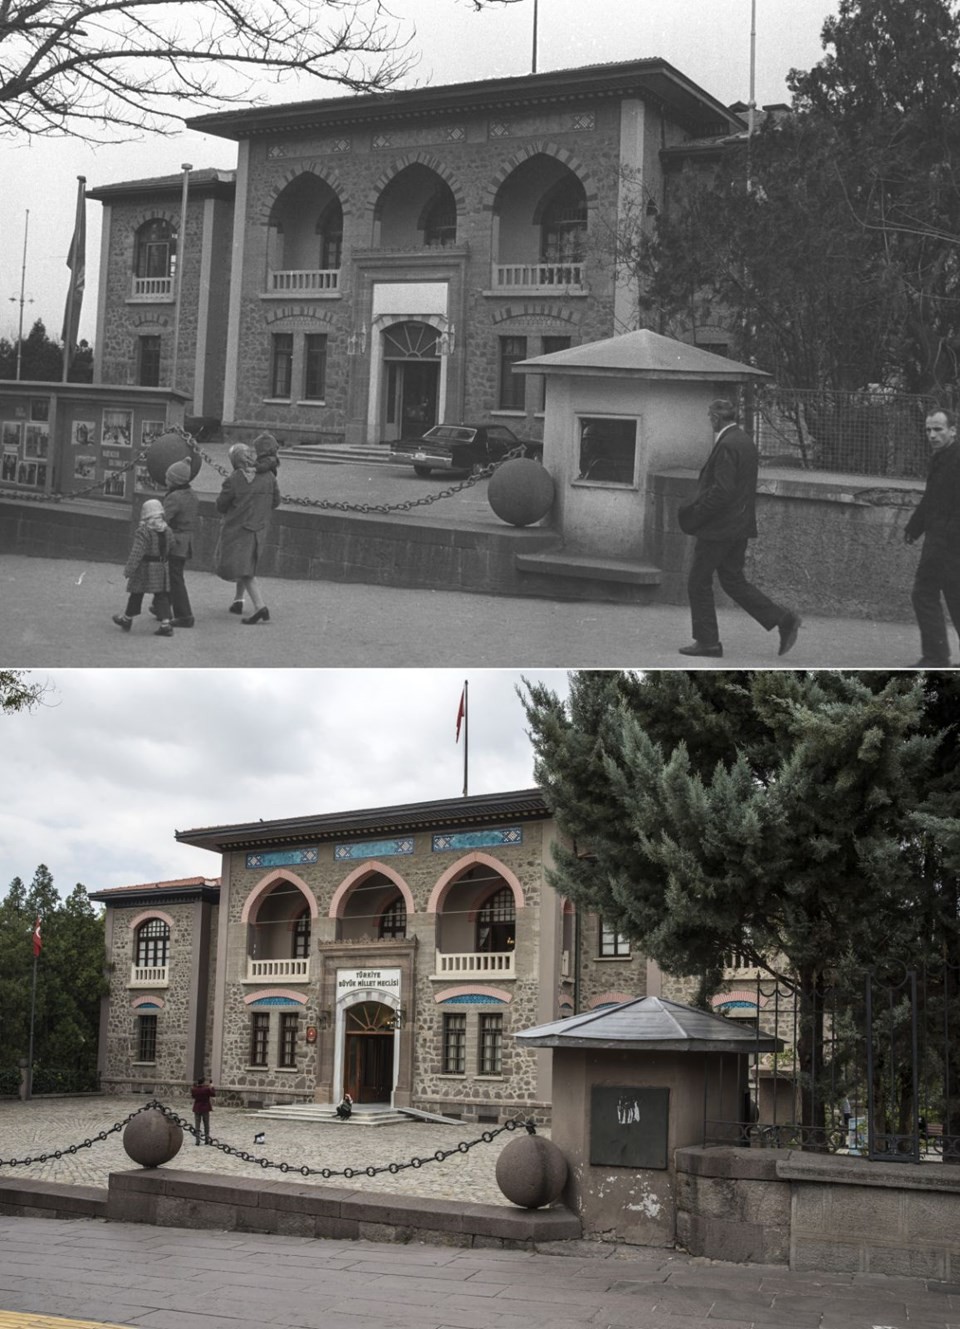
(868, 1065)
(874, 432)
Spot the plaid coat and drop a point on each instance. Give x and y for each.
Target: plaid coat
(146, 568)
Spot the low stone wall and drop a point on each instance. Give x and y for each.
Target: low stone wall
(832, 1213)
(50, 1199)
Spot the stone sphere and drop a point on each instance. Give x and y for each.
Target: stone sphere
(164, 451)
(521, 491)
(531, 1172)
(152, 1139)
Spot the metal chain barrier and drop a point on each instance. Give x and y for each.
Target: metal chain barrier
(295, 500)
(439, 1156)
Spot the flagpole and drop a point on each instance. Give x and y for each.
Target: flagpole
(466, 733)
(28, 1087)
(78, 230)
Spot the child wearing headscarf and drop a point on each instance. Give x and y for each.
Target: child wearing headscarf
(146, 569)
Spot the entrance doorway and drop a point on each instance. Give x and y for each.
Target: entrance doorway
(368, 1057)
(411, 380)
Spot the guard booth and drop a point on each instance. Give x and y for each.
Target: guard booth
(616, 412)
(632, 1083)
(56, 438)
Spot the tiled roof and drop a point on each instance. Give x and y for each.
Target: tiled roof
(653, 1023)
(176, 886)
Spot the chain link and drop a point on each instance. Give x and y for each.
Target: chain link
(303, 1170)
(295, 500)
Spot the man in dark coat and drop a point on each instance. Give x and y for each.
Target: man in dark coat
(723, 518)
(937, 519)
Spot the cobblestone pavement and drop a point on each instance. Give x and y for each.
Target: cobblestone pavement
(45, 1125)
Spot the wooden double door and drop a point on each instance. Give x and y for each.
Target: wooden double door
(368, 1057)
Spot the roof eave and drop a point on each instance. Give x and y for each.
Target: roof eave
(620, 371)
(653, 1045)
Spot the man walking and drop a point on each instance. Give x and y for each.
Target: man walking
(937, 518)
(723, 518)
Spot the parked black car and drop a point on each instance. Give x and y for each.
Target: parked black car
(462, 448)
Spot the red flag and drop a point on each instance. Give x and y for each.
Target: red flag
(77, 263)
(461, 712)
(37, 943)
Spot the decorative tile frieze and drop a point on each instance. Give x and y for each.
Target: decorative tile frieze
(499, 129)
(382, 141)
(341, 145)
(276, 151)
(283, 858)
(584, 121)
(456, 134)
(343, 853)
(477, 839)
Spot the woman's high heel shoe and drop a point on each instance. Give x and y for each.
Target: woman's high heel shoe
(261, 616)
(237, 607)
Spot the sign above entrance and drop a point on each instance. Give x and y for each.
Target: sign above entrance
(383, 980)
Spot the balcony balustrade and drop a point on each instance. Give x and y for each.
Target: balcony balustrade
(149, 976)
(317, 282)
(290, 971)
(153, 288)
(558, 277)
(474, 964)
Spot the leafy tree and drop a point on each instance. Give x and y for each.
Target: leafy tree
(41, 358)
(78, 67)
(779, 814)
(832, 243)
(70, 980)
(16, 694)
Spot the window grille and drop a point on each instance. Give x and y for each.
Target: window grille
(259, 1036)
(288, 1039)
(281, 374)
(454, 1044)
(491, 1044)
(393, 920)
(153, 941)
(146, 1038)
(496, 922)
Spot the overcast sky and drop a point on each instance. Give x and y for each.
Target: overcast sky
(97, 779)
(707, 40)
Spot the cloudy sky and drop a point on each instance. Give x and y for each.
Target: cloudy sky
(707, 40)
(97, 779)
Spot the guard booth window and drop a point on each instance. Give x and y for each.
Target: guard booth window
(608, 450)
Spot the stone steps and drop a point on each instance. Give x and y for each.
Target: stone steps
(560, 563)
(323, 1113)
(339, 454)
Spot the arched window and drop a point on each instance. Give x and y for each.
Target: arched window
(301, 937)
(563, 225)
(393, 920)
(330, 231)
(156, 249)
(153, 942)
(497, 922)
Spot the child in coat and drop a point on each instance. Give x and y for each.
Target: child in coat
(146, 569)
(181, 508)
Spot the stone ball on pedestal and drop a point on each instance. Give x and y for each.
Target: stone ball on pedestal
(531, 1172)
(164, 451)
(521, 491)
(151, 1138)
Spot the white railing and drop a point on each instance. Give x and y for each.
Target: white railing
(303, 283)
(469, 964)
(149, 976)
(291, 971)
(538, 276)
(153, 288)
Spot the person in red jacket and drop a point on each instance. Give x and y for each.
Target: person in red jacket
(201, 1093)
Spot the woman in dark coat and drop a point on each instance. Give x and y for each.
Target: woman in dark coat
(246, 500)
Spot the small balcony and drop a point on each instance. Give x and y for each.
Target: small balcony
(149, 976)
(475, 964)
(319, 282)
(560, 278)
(287, 971)
(152, 288)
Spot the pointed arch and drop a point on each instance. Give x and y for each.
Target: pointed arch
(543, 148)
(342, 893)
(476, 856)
(266, 884)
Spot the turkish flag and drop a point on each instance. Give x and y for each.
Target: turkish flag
(37, 943)
(461, 712)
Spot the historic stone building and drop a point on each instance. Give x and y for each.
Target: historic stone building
(390, 953)
(378, 263)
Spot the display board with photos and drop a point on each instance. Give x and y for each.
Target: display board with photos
(102, 448)
(25, 445)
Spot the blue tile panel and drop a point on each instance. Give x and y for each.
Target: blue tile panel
(274, 1001)
(283, 858)
(477, 839)
(372, 849)
(473, 999)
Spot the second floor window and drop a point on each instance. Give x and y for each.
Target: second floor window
(393, 920)
(440, 223)
(612, 944)
(563, 228)
(301, 937)
(281, 367)
(153, 941)
(156, 249)
(497, 922)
